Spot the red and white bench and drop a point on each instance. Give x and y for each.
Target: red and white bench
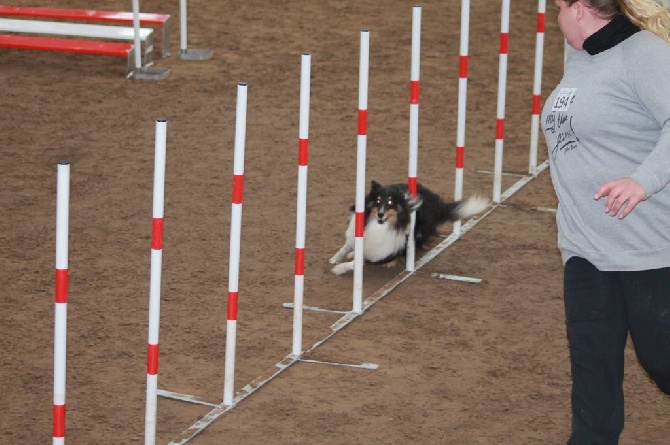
(71, 45)
(146, 19)
(101, 32)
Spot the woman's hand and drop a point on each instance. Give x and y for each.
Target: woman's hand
(622, 193)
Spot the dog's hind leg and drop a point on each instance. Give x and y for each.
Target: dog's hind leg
(342, 268)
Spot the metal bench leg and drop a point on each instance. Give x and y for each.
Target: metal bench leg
(165, 50)
(149, 51)
(131, 63)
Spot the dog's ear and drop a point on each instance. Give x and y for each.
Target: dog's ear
(413, 203)
(374, 185)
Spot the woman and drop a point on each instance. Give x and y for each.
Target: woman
(607, 127)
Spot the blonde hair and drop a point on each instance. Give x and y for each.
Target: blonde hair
(651, 15)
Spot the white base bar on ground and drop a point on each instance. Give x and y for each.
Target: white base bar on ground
(315, 309)
(444, 276)
(350, 365)
(491, 172)
(184, 398)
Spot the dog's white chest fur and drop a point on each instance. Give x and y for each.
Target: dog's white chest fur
(380, 241)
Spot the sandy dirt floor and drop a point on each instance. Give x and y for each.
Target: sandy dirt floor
(459, 363)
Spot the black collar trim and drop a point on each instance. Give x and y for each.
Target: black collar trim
(610, 35)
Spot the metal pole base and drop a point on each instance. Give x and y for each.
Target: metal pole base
(196, 54)
(151, 73)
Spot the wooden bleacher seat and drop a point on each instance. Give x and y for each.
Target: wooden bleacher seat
(81, 30)
(146, 19)
(71, 45)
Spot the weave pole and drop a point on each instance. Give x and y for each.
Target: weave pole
(537, 87)
(500, 114)
(462, 102)
(185, 53)
(301, 213)
(235, 235)
(413, 128)
(363, 77)
(136, 26)
(143, 72)
(155, 281)
(60, 311)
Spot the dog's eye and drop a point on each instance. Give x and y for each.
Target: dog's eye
(389, 203)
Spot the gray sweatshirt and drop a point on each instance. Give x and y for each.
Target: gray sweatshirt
(608, 118)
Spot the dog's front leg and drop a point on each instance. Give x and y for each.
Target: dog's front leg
(342, 268)
(341, 254)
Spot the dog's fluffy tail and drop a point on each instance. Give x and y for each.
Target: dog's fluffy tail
(470, 207)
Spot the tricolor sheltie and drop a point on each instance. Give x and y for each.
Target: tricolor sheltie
(387, 222)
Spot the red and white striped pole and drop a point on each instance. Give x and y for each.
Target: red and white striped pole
(235, 235)
(301, 217)
(413, 127)
(537, 87)
(155, 281)
(136, 39)
(462, 102)
(363, 77)
(60, 313)
(500, 115)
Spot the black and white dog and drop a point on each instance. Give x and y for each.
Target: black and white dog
(387, 222)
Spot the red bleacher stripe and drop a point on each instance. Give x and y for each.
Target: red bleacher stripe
(65, 45)
(82, 14)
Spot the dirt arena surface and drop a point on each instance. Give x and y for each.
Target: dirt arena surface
(459, 363)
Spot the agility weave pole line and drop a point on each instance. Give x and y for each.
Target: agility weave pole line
(155, 281)
(219, 410)
(60, 311)
(361, 154)
(301, 206)
(235, 235)
(413, 128)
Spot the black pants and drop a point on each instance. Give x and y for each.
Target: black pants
(601, 308)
